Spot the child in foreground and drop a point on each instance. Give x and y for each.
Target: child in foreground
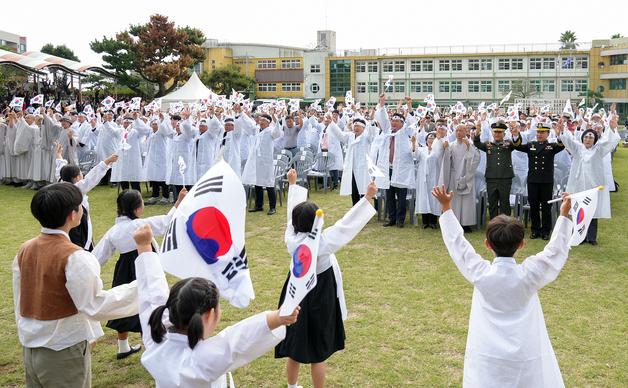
(507, 344)
(180, 349)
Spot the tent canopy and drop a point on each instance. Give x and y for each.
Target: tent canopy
(193, 90)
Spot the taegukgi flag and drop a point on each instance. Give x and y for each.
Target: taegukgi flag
(303, 268)
(205, 237)
(583, 205)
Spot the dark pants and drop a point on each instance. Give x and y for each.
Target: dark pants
(157, 186)
(538, 195)
(355, 194)
(429, 219)
(105, 179)
(396, 203)
(177, 189)
(134, 185)
(259, 197)
(592, 231)
(334, 178)
(293, 150)
(498, 191)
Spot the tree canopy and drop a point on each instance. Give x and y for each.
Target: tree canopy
(223, 79)
(59, 51)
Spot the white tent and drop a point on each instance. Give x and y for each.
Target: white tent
(193, 91)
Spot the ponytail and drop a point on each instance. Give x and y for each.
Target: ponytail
(157, 328)
(195, 329)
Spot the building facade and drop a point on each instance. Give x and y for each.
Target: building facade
(14, 42)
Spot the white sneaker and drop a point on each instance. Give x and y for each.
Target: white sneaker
(151, 201)
(164, 201)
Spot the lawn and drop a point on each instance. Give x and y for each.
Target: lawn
(408, 305)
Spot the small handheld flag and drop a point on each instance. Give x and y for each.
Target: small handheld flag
(303, 268)
(17, 103)
(582, 211)
(374, 171)
(38, 99)
(506, 98)
(182, 168)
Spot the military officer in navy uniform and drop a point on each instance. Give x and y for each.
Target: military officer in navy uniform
(540, 179)
(499, 172)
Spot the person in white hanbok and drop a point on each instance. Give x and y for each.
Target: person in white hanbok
(319, 332)
(331, 144)
(230, 135)
(109, 139)
(430, 160)
(129, 168)
(355, 175)
(181, 146)
(587, 168)
(26, 135)
(69, 140)
(3, 159)
(181, 350)
(82, 128)
(507, 344)
(206, 144)
(259, 170)
(155, 163)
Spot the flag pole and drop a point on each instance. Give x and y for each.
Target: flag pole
(569, 196)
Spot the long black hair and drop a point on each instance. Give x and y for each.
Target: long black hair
(129, 201)
(188, 300)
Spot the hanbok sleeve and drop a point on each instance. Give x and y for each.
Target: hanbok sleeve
(570, 143)
(92, 178)
(345, 229)
(104, 250)
(23, 138)
(340, 135)
(152, 290)
(382, 117)
(543, 268)
(276, 131)
(608, 141)
(59, 163)
(158, 224)
(469, 263)
(296, 195)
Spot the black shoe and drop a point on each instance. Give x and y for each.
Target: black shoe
(546, 237)
(467, 229)
(271, 212)
(425, 226)
(593, 242)
(257, 209)
(534, 236)
(433, 226)
(390, 223)
(134, 349)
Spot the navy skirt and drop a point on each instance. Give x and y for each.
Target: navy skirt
(124, 273)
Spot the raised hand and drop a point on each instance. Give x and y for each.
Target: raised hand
(444, 198)
(292, 176)
(143, 237)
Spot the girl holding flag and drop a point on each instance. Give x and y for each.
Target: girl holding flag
(586, 167)
(319, 332)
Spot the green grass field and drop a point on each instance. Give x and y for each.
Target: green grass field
(408, 305)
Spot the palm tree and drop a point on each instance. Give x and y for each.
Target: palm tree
(568, 40)
(616, 36)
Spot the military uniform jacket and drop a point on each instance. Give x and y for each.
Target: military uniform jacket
(498, 157)
(540, 160)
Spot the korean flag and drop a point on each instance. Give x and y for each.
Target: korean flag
(303, 268)
(583, 206)
(206, 235)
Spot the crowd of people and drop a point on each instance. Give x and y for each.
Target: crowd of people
(447, 159)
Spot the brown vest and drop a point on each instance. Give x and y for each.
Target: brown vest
(42, 262)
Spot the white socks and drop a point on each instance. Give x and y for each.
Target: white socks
(123, 346)
(292, 386)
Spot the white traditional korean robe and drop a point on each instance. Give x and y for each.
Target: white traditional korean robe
(460, 162)
(206, 145)
(172, 363)
(587, 167)
(129, 167)
(50, 131)
(259, 169)
(181, 144)
(157, 143)
(334, 147)
(229, 142)
(23, 148)
(355, 160)
(9, 156)
(428, 172)
(3, 159)
(403, 172)
(109, 140)
(508, 344)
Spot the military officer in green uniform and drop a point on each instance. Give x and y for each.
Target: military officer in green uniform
(499, 171)
(540, 179)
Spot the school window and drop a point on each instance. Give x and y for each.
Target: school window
(267, 64)
(456, 86)
(361, 87)
(443, 65)
(443, 86)
(314, 88)
(620, 59)
(266, 87)
(567, 63)
(373, 87)
(428, 87)
(400, 66)
(581, 85)
(516, 64)
(399, 86)
(549, 85)
(456, 64)
(486, 64)
(290, 63)
(503, 86)
(415, 86)
(474, 64)
(474, 86)
(504, 64)
(486, 86)
(415, 66)
(360, 67)
(566, 85)
(618, 84)
(549, 63)
(372, 67)
(315, 68)
(387, 66)
(582, 63)
(427, 65)
(291, 87)
(536, 63)
(535, 85)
